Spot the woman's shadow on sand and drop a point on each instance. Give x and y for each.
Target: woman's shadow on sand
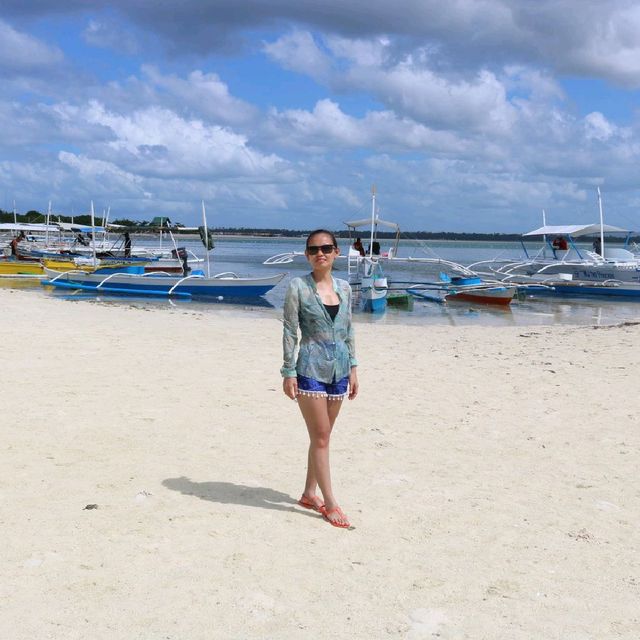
(230, 493)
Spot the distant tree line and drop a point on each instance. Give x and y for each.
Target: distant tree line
(144, 225)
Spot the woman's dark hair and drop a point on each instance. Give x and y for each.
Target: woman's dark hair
(318, 231)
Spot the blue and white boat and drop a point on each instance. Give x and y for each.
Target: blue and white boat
(464, 289)
(561, 257)
(190, 284)
(616, 263)
(365, 272)
(566, 287)
(196, 284)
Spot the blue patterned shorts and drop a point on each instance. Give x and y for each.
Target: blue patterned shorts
(316, 389)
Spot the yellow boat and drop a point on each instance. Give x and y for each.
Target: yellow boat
(61, 264)
(10, 268)
(64, 264)
(20, 268)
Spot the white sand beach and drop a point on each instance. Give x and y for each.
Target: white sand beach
(492, 475)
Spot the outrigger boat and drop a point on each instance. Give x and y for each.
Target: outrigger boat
(12, 268)
(88, 265)
(365, 271)
(617, 263)
(226, 285)
(63, 240)
(191, 284)
(605, 263)
(464, 289)
(564, 286)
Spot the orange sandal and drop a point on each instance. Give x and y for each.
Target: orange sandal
(333, 523)
(314, 505)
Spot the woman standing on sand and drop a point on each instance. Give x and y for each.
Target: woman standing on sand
(320, 306)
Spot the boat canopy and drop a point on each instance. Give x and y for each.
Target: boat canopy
(79, 228)
(27, 226)
(574, 230)
(366, 222)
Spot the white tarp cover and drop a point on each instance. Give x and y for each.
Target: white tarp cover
(366, 222)
(574, 230)
(26, 226)
(82, 228)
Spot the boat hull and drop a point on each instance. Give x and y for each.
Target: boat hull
(374, 305)
(574, 289)
(492, 295)
(374, 290)
(157, 285)
(501, 296)
(14, 268)
(400, 301)
(102, 267)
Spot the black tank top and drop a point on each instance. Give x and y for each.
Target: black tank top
(332, 310)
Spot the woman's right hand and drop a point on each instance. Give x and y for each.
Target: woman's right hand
(290, 387)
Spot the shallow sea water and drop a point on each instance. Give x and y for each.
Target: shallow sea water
(245, 256)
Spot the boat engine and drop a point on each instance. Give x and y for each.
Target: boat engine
(181, 253)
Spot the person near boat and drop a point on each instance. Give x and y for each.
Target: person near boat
(597, 246)
(560, 243)
(14, 243)
(374, 248)
(358, 246)
(320, 369)
(127, 245)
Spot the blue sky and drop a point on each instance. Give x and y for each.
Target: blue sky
(474, 116)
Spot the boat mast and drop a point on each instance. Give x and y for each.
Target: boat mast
(93, 235)
(206, 238)
(601, 224)
(15, 215)
(46, 233)
(373, 218)
(105, 222)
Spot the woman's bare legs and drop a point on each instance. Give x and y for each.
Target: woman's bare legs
(320, 415)
(333, 409)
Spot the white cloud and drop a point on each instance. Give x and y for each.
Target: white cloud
(298, 51)
(202, 93)
(478, 105)
(360, 52)
(535, 84)
(101, 177)
(577, 37)
(156, 141)
(457, 106)
(597, 127)
(407, 86)
(608, 45)
(26, 126)
(110, 34)
(21, 53)
(328, 127)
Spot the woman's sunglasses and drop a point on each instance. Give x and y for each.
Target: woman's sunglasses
(312, 250)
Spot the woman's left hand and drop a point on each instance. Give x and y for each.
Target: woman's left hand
(353, 383)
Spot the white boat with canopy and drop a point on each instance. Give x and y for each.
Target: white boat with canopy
(364, 269)
(598, 262)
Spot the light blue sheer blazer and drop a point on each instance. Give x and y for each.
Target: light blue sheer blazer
(327, 348)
